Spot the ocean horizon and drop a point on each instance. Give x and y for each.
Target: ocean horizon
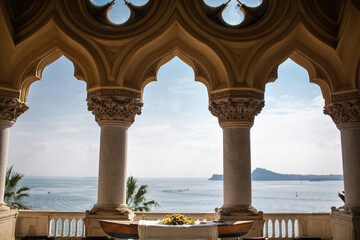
(186, 194)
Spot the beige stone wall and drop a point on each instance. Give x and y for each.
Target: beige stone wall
(7, 224)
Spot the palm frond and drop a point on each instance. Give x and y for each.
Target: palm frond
(13, 193)
(136, 196)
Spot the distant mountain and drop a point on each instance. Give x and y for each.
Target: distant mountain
(261, 174)
(217, 177)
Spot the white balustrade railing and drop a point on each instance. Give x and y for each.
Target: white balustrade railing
(66, 225)
(290, 225)
(281, 225)
(70, 225)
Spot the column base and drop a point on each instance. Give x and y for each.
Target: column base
(242, 213)
(346, 223)
(7, 224)
(92, 226)
(4, 207)
(111, 210)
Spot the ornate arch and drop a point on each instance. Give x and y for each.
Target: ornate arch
(46, 46)
(146, 58)
(319, 59)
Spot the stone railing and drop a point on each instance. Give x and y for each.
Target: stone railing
(290, 225)
(65, 225)
(70, 225)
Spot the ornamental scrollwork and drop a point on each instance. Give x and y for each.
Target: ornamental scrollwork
(236, 111)
(11, 109)
(344, 114)
(114, 109)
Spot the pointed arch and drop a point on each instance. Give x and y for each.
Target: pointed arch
(41, 49)
(320, 60)
(143, 62)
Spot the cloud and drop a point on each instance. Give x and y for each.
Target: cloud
(295, 136)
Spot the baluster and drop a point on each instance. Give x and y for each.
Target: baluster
(62, 227)
(56, 226)
(76, 227)
(273, 227)
(293, 227)
(83, 228)
(70, 225)
(286, 228)
(280, 225)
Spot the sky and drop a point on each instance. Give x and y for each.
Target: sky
(175, 136)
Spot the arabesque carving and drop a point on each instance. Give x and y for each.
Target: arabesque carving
(240, 111)
(11, 108)
(199, 72)
(345, 96)
(344, 114)
(237, 94)
(114, 109)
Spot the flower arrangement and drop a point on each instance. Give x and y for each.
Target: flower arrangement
(177, 219)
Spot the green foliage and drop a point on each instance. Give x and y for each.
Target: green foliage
(342, 196)
(135, 196)
(14, 194)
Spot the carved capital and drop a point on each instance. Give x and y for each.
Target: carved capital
(114, 109)
(235, 112)
(10, 109)
(344, 114)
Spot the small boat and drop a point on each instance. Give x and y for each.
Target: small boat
(129, 230)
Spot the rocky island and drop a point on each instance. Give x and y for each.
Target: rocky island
(261, 174)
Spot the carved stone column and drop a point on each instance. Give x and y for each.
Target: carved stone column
(10, 109)
(236, 111)
(346, 115)
(114, 112)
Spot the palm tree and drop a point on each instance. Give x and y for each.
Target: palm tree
(13, 192)
(135, 197)
(342, 196)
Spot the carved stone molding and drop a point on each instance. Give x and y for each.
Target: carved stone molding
(240, 111)
(344, 114)
(199, 72)
(151, 71)
(10, 109)
(236, 94)
(341, 97)
(114, 92)
(114, 109)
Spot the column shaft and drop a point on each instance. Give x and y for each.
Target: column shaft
(112, 166)
(350, 144)
(237, 166)
(4, 147)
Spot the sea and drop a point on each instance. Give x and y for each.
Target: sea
(186, 194)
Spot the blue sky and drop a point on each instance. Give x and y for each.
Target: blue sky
(175, 136)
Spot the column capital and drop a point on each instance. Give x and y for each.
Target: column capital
(114, 106)
(236, 108)
(345, 114)
(10, 107)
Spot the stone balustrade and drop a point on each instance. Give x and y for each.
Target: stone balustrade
(64, 225)
(290, 225)
(70, 225)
